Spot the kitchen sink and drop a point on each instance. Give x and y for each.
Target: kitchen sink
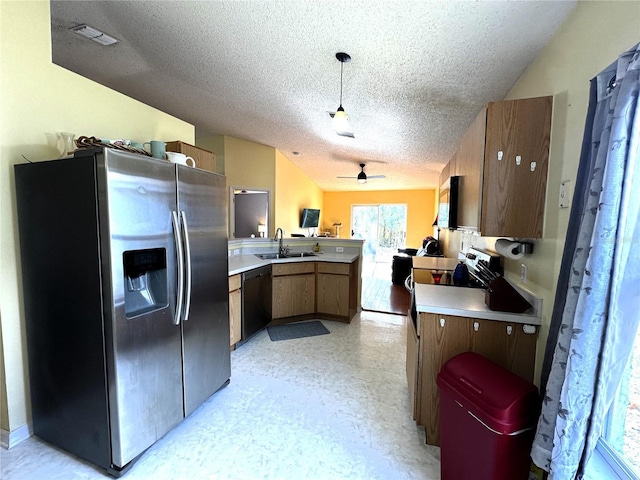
(275, 256)
(269, 256)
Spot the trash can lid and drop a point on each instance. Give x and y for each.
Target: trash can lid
(504, 401)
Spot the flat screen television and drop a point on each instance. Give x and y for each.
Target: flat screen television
(448, 204)
(309, 217)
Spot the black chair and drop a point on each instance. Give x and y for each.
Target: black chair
(401, 265)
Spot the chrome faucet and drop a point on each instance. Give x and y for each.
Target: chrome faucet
(280, 246)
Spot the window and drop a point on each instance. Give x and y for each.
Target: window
(620, 442)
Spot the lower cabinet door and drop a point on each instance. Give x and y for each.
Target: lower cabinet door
(293, 295)
(235, 317)
(333, 294)
(412, 364)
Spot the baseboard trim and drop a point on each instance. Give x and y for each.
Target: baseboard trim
(13, 438)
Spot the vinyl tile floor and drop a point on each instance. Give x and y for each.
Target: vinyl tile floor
(327, 407)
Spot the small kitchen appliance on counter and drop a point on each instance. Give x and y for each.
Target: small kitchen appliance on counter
(500, 295)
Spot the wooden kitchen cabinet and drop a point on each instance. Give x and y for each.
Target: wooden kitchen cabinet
(502, 161)
(204, 159)
(444, 336)
(293, 289)
(235, 310)
(412, 363)
(333, 289)
(324, 290)
(470, 161)
(337, 289)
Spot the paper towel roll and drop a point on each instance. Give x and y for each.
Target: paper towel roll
(508, 249)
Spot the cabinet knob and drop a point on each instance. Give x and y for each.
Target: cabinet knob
(509, 329)
(476, 326)
(518, 159)
(533, 166)
(500, 155)
(442, 322)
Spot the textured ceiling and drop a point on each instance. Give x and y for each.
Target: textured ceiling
(265, 71)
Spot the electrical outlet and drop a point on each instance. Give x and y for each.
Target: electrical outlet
(523, 273)
(339, 249)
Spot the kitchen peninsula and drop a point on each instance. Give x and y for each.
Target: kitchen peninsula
(451, 320)
(304, 284)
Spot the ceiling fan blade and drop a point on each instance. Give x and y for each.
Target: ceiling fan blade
(376, 176)
(346, 177)
(346, 134)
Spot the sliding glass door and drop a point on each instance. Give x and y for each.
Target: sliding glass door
(383, 227)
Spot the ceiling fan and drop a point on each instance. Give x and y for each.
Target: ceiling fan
(362, 177)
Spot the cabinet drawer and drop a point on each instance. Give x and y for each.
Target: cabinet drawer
(234, 282)
(292, 268)
(334, 268)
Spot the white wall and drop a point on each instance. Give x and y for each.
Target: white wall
(37, 97)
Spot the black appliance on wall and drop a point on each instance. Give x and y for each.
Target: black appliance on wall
(309, 218)
(448, 204)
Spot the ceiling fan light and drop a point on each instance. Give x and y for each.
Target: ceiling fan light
(362, 177)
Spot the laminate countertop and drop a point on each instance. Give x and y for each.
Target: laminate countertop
(469, 302)
(243, 263)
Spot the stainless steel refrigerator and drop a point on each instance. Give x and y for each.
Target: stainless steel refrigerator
(125, 283)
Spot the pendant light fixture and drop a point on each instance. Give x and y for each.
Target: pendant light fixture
(340, 120)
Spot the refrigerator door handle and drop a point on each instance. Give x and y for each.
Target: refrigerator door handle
(180, 258)
(187, 256)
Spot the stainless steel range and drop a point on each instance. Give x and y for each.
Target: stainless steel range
(482, 266)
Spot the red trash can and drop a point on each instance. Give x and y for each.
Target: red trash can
(487, 420)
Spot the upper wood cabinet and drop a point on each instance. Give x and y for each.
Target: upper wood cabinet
(502, 162)
(204, 159)
(469, 164)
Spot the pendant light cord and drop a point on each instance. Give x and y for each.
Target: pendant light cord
(341, 69)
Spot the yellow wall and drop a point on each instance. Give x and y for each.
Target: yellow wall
(214, 144)
(591, 39)
(37, 97)
(420, 210)
(247, 165)
(251, 165)
(294, 191)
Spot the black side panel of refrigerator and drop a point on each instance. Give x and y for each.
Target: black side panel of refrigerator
(59, 244)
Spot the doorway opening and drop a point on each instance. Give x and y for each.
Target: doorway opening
(249, 213)
(384, 230)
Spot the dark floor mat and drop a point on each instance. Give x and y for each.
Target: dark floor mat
(290, 331)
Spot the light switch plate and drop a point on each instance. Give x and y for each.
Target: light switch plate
(523, 273)
(564, 201)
